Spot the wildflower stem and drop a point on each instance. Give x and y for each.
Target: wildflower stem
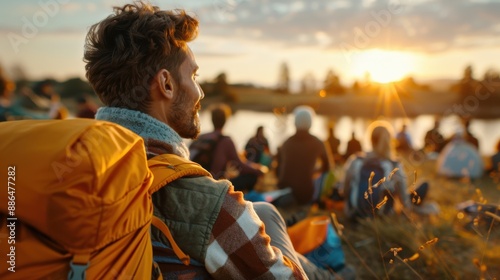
(409, 266)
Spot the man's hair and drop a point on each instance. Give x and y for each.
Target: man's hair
(381, 142)
(125, 51)
(381, 133)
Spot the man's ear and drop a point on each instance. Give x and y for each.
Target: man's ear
(165, 84)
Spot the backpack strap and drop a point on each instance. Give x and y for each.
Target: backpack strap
(78, 266)
(167, 168)
(159, 224)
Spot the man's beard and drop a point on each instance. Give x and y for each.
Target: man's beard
(183, 118)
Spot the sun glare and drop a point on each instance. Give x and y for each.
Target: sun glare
(383, 66)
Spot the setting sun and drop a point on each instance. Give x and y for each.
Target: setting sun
(383, 66)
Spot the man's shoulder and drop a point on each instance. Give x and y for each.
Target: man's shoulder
(193, 189)
(317, 140)
(203, 180)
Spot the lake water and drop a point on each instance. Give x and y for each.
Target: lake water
(277, 128)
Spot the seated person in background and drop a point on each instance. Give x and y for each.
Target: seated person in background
(85, 108)
(404, 140)
(353, 146)
(460, 159)
(361, 202)
(434, 141)
(333, 144)
(495, 159)
(10, 108)
(225, 162)
(6, 90)
(468, 136)
(257, 148)
(298, 160)
(46, 98)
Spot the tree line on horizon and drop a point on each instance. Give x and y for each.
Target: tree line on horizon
(77, 87)
(331, 86)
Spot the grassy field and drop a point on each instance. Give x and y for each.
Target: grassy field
(448, 245)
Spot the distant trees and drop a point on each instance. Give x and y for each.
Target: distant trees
(469, 86)
(356, 86)
(332, 85)
(221, 87)
(283, 79)
(74, 88)
(365, 86)
(409, 83)
(491, 82)
(220, 84)
(491, 76)
(218, 87)
(467, 83)
(308, 84)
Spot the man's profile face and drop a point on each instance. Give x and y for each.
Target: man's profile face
(184, 117)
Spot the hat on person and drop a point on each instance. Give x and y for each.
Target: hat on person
(303, 117)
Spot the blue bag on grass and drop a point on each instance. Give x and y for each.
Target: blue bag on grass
(316, 239)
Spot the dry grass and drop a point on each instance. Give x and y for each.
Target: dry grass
(443, 246)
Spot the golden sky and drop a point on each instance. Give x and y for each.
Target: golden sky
(250, 39)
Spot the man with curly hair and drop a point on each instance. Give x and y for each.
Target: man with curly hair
(140, 66)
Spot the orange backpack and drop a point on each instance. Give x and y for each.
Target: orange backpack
(77, 200)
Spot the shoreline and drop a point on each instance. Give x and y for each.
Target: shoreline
(370, 106)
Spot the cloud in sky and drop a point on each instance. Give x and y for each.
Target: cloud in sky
(417, 25)
(426, 26)
(257, 32)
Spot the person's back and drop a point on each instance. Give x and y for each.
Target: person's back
(404, 140)
(360, 200)
(257, 147)
(225, 158)
(85, 109)
(297, 159)
(333, 144)
(469, 137)
(459, 158)
(358, 173)
(353, 146)
(495, 159)
(9, 108)
(434, 140)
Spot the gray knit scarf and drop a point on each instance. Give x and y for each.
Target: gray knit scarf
(158, 136)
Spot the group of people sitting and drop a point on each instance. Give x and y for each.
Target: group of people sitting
(303, 162)
(456, 156)
(39, 102)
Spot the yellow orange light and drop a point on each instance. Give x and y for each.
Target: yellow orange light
(383, 66)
